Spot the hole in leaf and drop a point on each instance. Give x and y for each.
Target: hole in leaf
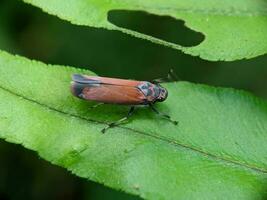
(162, 27)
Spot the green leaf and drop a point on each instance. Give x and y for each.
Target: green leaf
(218, 150)
(233, 29)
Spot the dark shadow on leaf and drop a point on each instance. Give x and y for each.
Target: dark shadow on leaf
(265, 194)
(162, 27)
(112, 53)
(24, 174)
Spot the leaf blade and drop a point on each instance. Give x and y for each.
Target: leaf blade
(139, 158)
(240, 25)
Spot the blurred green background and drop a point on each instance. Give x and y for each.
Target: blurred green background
(27, 31)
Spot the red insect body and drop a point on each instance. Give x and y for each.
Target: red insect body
(117, 91)
(116, 94)
(110, 81)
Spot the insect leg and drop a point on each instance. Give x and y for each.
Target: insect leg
(96, 105)
(163, 115)
(119, 121)
(171, 77)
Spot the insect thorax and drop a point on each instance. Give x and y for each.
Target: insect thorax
(150, 91)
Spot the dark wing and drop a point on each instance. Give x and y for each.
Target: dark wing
(113, 94)
(107, 90)
(78, 78)
(104, 80)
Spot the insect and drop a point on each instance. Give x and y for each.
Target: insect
(119, 91)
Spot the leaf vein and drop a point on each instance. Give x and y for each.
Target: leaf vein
(160, 138)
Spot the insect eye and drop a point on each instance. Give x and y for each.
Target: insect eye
(163, 94)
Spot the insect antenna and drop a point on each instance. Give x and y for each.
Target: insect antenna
(171, 77)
